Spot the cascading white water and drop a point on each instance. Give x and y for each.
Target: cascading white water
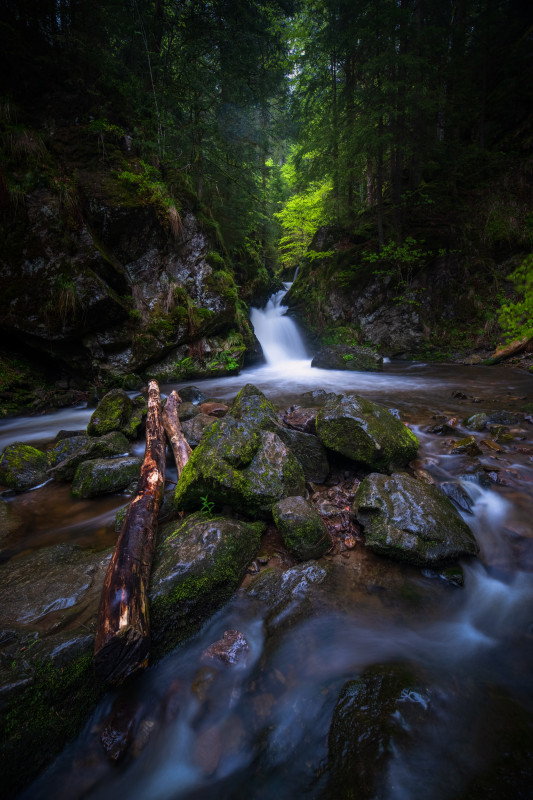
(278, 334)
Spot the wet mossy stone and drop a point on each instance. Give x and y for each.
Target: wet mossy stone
(408, 520)
(187, 411)
(192, 394)
(366, 433)
(477, 422)
(253, 407)
(65, 448)
(22, 467)
(239, 465)
(373, 718)
(85, 448)
(290, 594)
(116, 411)
(105, 475)
(348, 357)
(200, 562)
(302, 528)
(195, 427)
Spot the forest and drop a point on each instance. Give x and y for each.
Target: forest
(295, 238)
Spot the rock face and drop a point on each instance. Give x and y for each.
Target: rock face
(410, 521)
(242, 466)
(372, 719)
(105, 475)
(22, 467)
(199, 563)
(348, 357)
(365, 432)
(301, 528)
(117, 412)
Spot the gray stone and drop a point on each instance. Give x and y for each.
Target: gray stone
(105, 475)
(302, 528)
(348, 357)
(85, 448)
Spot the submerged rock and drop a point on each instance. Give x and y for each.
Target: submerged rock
(237, 464)
(199, 563)
(116, 411)
(410, 521)
(348, 357)
(301, 528)
(231, 649)
(366, 433)
(105, 475)
(22, 467)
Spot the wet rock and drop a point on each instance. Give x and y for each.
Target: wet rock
(105, 475)
(119, 727)
(318, 397)
(301, 527)
(231, 649)
(83, 448)
(199, 563)
(22, 467)
(366, 433)
(374, 716)
(251, 406)
(501, 434)
(405, 519)
(187, 411)
(67, 434)
(458, 495)
(468, 446)
(477, 422)
(192, 394)
(301, 419)
(66, 447)
(504, 418)
(443, 425)
(348, 357)
(116, 411)
(287, 593)
(214, 409)
(239, 465)
(194, 428)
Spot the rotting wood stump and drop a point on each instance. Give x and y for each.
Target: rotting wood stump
(122, 642)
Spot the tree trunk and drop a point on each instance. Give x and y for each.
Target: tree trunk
(178, 442)
(123, 635)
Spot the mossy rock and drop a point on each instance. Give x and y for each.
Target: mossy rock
(407, 520)
(116, 411)
(22, 467)
(66, 448)
(348, 357)
(302, 528)
(199, 564)
(373, 718)
(366, 433)
(105, 475)
(477, 422)
(253, 407)
(239, 465)
(84, 448)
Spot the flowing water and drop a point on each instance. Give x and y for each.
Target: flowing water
(260, 729)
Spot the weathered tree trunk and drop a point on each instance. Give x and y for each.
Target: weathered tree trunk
(506, 351)
(123, 635)
(178, 442)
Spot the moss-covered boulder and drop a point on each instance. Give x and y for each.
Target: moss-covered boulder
(67, 447)
(373, 718)
(194, 428)
(105, 475)
(302, 528)
(253, 407)
(239, 465)
(349, 357)
(477, 422)
(199, 563)
(366, 433)
(22, 467)
(83, 448)
(116, 411)
(410, 521)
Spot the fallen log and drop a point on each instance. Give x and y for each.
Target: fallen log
(178, 442)
(506, 351)
(123, 634)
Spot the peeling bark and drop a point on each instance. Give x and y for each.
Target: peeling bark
(178, 442)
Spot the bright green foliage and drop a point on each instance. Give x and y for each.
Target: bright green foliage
(301, 217)
(516, 318)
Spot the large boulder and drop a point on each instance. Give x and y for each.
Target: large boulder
(366, 433)
(105, 475)
(410, 521)
(194, 428)
(22, 467)
(199, 563)
(349, 357)
(116, 411)
(70, 453)
(240, 465)
(302, 528)
(375, 716)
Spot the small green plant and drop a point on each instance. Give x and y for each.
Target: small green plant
(348, 357)
(516, 318)
(207, 506)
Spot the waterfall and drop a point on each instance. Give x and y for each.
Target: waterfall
(278, 334)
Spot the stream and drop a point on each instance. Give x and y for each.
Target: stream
(260, 729)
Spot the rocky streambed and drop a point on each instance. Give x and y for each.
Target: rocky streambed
(318, 542)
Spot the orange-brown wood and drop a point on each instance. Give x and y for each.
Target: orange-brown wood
(178, 442)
